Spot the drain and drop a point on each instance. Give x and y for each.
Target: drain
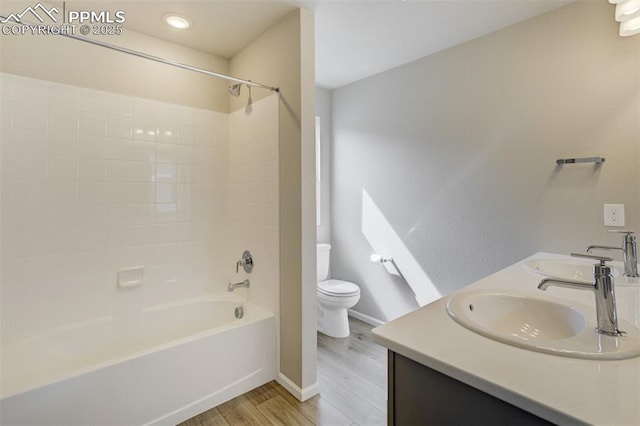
(239, 312)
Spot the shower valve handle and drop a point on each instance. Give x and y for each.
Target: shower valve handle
(246, 262)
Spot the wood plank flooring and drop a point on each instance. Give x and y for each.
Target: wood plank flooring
(352, 374)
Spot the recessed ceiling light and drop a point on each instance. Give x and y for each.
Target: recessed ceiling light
(177, 21)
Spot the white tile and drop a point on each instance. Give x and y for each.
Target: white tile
(166, 133)
(166, 193)
(204, 136)
(63, 119)
(6, 108)
(144, 151)
(119, 149)
(119, 171)
(62, 144)
(64, 96)
(92, 215)
(119, 214)
(21, 244)
(143, 172)
(166, 153)
(184, 115)
(22, 274)
(183, 213)
(62, 168)
(142, 213)
(200, 155)
(29, 140)
(166, 253)
(144, 110)
(144, 130)
(92, 192)
(143, 192)
(27, 217)
(185, 134)
(165, 172)
(183, 173)
(203, 118)
(27, 192)
(165, 212)
(62, 216)
(29, 90)
(61, 266)
(92, 147)
(6, 86)
(119, 192)
(58, 241)
(62, 192)
(93, 101)
(120, 105)
(165, 233)
(119, 127)
(182, 154)
(91, 124)
(28, 115)
(142, 235)
(91, 239)
(183, 194)
(118, 237)
(24, 166)
(92, 169)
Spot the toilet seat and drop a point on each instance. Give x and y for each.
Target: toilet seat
(338, 288)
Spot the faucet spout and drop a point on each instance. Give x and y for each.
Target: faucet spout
(629, 250)
(578, 285)
(602, 287)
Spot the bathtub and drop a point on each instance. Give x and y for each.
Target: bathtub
(159, 366)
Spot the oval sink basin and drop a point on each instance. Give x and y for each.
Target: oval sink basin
(540, 324)
(564, 269)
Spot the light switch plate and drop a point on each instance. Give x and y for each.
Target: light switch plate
(614, 215)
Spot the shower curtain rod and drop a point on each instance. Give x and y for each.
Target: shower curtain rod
(161, 60)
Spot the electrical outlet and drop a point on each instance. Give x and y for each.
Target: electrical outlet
(614, 215)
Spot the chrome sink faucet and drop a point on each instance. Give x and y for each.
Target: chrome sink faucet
(629, 251)
(602, 286)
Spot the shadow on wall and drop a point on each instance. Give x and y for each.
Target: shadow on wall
(385, 242)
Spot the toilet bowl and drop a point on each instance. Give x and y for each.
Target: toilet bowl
(334, 298)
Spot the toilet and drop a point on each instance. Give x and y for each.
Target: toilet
(334, 298)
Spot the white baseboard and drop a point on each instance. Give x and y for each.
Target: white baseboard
(365, 318)
(301, 394)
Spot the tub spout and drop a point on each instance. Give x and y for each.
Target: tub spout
(233, 286)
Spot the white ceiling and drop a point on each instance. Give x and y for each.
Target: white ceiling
(354, 39)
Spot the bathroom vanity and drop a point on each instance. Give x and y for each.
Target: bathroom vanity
(441, 372)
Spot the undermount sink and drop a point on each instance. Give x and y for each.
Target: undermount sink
(565, 269)
(540, 324)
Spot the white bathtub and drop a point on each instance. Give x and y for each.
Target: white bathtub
(160, 366)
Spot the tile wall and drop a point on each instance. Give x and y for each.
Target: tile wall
(92, 182)
(253, 197)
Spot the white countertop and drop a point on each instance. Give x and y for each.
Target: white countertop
(559, 389)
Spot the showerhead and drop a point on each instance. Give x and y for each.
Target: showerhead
(234, 89)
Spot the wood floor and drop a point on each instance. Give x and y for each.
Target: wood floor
(352, 374)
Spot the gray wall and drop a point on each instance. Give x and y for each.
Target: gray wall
(456, 152)
(323, 110)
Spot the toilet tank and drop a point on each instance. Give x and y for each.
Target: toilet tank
(323, 261)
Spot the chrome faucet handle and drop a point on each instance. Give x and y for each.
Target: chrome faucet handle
(246, 262)
(602, 259)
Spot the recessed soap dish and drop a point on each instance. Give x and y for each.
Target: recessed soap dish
(131, 277)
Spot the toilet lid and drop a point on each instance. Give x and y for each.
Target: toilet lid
(338, 288)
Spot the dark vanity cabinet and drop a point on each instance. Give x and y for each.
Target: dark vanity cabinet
(419, 395)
